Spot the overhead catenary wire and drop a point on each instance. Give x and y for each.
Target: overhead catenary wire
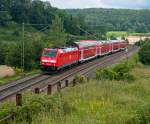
(87, 32)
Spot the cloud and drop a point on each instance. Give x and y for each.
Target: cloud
(76, 3)
(137, 4)
(127, 3)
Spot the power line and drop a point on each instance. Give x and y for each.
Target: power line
(87, 32)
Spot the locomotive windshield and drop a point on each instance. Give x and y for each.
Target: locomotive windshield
(50, 53)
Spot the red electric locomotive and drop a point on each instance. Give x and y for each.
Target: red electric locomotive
(56, 59)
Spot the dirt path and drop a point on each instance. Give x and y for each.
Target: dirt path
(6, 71)
(133, 39)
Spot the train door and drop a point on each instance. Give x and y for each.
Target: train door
(81, 55)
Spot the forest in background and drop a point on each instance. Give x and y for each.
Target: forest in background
(47, 26)
(115, 19)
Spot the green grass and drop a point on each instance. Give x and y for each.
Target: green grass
(93, 102)
(17, 77)
(9, 79)
(117, 33)
(140, 34)
(124, 33)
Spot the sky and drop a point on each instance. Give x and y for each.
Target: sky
(131, 4)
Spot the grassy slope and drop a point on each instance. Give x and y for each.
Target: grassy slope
(95, 102)
(110, 102)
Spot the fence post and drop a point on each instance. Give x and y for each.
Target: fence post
(18, 99)
(88, 79)
(67, 83)
(37, 91)
(59, 86)
(49, 89)
(74, 82)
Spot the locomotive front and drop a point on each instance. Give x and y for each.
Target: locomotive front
(48, 60)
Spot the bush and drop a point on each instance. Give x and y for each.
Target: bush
(141, 42)
(18, 70)
(141, 116)
(80, 79)
(121, 72)
(34, 104)
(106, 73)
(144, 54)
(6, 109)
(118, 72)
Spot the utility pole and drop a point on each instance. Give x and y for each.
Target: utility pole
(126, 54)
(23, 49)
(23, 43)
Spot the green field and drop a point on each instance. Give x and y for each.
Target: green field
(125, 34)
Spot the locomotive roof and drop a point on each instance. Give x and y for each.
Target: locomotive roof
(63, 49)
(68, 49)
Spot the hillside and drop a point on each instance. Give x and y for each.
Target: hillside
(116, 19)
(95, 101)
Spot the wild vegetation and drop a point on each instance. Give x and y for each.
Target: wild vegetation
(95, 101)
(44, 26)
(144, 53)
(121, 71)
(114, 34)
(115, 19)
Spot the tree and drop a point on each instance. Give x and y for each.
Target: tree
(13, 57)
(144, 53)
(57, 25)
(116, 19)
(81, 23)
(71, 25)
(4, 18)
(20, 10)
(57, 32)
(3, 50)
(37, 51)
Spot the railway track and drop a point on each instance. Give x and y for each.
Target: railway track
(12, 88)
(41, 81)
(90, 67)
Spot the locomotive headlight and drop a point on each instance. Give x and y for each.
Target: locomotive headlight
(44, 60)
(52, 61)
